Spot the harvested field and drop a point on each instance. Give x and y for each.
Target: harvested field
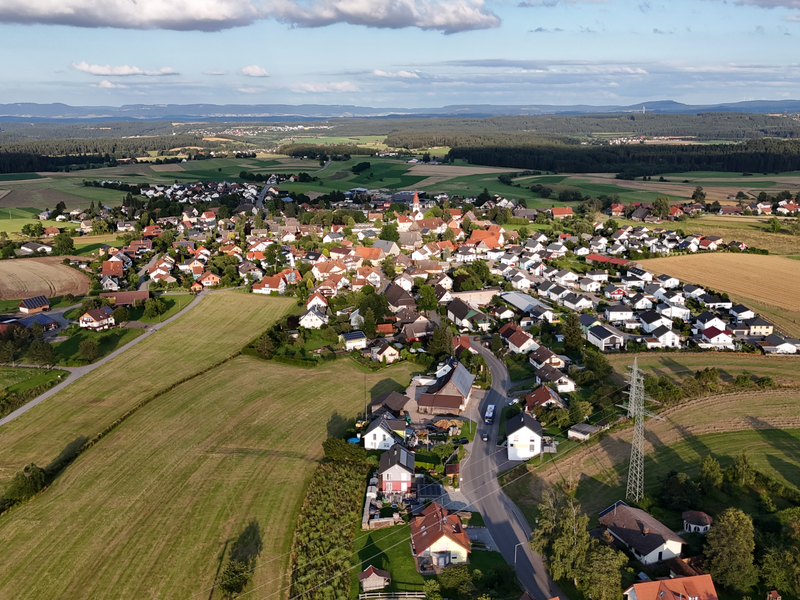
(768, 280)
(46, 276)
(173, 486)
(38, 197)
(599, 468)
(166, 168)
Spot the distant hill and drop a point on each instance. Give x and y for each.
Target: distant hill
(30, 112)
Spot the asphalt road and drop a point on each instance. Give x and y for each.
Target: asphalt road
(505, 522)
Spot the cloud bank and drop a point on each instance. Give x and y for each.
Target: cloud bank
(255, 71)
(121, 71)
(448, 16)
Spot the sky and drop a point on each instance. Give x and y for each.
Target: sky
(398, 53)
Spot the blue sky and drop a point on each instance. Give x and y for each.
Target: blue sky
(398, 53)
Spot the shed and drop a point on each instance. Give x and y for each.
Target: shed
(581, 432)
(373, 579)
(34, 305)
(695, 521)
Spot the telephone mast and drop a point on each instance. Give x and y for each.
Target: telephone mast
(637, 412)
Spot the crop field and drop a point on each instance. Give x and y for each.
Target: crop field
(768, 283)
(189, 345)
(766, 423)
(49, 191)
(175, 484)
(24, 278)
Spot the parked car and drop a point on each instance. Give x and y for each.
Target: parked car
(462, 440)
(485, 437)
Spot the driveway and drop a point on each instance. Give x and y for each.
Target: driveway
(504, 521)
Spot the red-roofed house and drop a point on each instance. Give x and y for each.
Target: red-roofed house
(439, 535)
(699, 587)
(561, 212)
(267, 285)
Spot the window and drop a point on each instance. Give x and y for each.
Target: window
(516, 438)
(388, 476)
(374, 436)
(388, 487)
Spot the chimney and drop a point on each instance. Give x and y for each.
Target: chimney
(645, 531)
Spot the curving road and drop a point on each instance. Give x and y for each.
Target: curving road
(505, 522)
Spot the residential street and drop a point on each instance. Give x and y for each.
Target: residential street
(504, 520)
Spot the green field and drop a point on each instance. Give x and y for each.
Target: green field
(107, 342)
(19, 176)
(19, 379)
(168, 491)
(15, 225)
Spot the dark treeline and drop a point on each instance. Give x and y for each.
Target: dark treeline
(116, 147)
(757, 156)
(22, 132)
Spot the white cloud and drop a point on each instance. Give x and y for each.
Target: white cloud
(323, 88)
(107, 85)
(448, 16)
(255, 71)
(770, 3)
(250, 90)
(398, 74)
(182, 15)
(215, 73)
(122, 70)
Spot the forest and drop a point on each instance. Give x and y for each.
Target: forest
(756, 156)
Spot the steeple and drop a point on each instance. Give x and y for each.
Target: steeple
(415, 205)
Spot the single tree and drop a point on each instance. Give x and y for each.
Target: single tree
(265, 347)
(729, 551)
(121, 315)
(88, 349)
(389, 233)
(441, 342)
(369, 326)
(37, 330)
(388, 268)
(573, 335)
(710, 474)
(427, 297)
(7, 350)
(774, 225)
(661, 206)
(26, 483)
(497, 343)
(63, 244)
(602, 577)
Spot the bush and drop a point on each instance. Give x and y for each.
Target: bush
(26, 483)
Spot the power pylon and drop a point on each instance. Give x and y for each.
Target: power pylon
(637, 412)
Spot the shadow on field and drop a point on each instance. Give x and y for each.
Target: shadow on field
(785, 444)
(64, 459)
(248, 545)
(337, 424)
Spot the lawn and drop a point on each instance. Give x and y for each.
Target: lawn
(387, 549)
(174, 303)
(178, 481)
(17, 379)
(107, 342)
(189, 345)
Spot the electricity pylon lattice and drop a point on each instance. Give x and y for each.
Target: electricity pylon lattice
(637, 412)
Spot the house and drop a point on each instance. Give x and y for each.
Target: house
(383, 433)
(544, 356)
(396, 471)
(318, 301)
(313, 318)
(34, 305)
(589, 285)
(382, 350)
(708, 319)
(576, 302)
(696, 587)
(109, 284)
(695, 521)
(524, 437)
(398, 298)
(648, 539)
(392, 403)
(665, 337)
(759, 326)
(560, 212)
(267, 285)
(652, 320)
(388, 247)
(519, 341)
(774, 344)
(355, 340)
(548, 375)
(604, 338)
(581, 432)
(437, 534)
(97, 318)
(34, 247)
(466, 317)
(372, 579)
(543, 397)
(450, 393)
(741, 313)
(209, 279)
(617, 313)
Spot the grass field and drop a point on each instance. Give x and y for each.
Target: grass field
(107, 342)
(189, 345)
(677, 366)
(176, 483)
(768, 283)
(18, 379)
(768, 420)
(24, 278)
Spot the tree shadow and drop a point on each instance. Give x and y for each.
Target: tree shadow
(64, 459)
(385, 385)
(337, 424)
(248, 545)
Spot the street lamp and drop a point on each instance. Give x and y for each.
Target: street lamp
(515, 553)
